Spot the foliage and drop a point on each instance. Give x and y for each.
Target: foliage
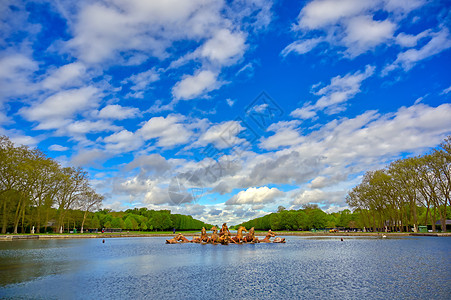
(409, 192)
(310, 217)
(34, 190)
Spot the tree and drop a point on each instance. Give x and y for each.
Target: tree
(89, 201)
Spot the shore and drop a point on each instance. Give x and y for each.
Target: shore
(10, 237)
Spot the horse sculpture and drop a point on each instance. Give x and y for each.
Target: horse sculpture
(224, 229)
(225, 237)
(196, 239)
(269, 235)
(239, 234)
(250, 237)
(178, 238)
(214, 236)
(203, 235)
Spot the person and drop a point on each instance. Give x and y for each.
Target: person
(173, 230)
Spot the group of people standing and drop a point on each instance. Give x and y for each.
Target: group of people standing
(224, 237)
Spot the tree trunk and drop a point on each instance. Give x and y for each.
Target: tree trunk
(434, 229)
(83, 222)
(23, 218)
(5, 217)
(17, 216)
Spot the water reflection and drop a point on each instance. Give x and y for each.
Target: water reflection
(302, 268)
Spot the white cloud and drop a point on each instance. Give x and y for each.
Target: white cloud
(401, 6)
(58, 108)
(105, 30)
(16, 72)
(309, 196)
(254, 195)
(286, 134)
(89, 157)
(21, 139)
(230, 102)
(333, 96)
(446, 91)
(320, 13)
(149, 163)
(305, 112)
(363, 34)
(409, 40)
(134, 186)
(353, 24)
(82, 127)
(341, 89)
(117, 112)
(69, 75)
(55, 147)
(123, 141)
(301, 46)
(320, 196)
(224, 135)
(224, 47)
(141, 81)
(439, 42)
(169, 131)
(195, 85)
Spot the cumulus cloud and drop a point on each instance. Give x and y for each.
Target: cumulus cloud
(341, 88)
(123, 141)
(16, 73)
(141, 81)
(224, 135)
(195, 85)
(334, 95)
(364, 33)
(69, 75)
(89, 157)
(288, 167)
(55, 147)
(83, 127)
(169, 131)
(410, 40)
(224, 47)
(406, 60)
(319, 197)
(255, 196)
(154, 163)
(57, 109)
(348, 24)
(117, 112)
(286, 134)
(320, 13)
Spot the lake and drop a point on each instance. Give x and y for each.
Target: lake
(304, 267)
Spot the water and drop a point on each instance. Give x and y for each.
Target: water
(307, 268)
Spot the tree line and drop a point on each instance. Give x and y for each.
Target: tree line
(35, 189)
(408, 193)
(308, 218)
(145, 220)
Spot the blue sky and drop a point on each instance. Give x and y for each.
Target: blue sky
(226, 109)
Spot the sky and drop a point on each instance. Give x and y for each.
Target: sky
(226, 110)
